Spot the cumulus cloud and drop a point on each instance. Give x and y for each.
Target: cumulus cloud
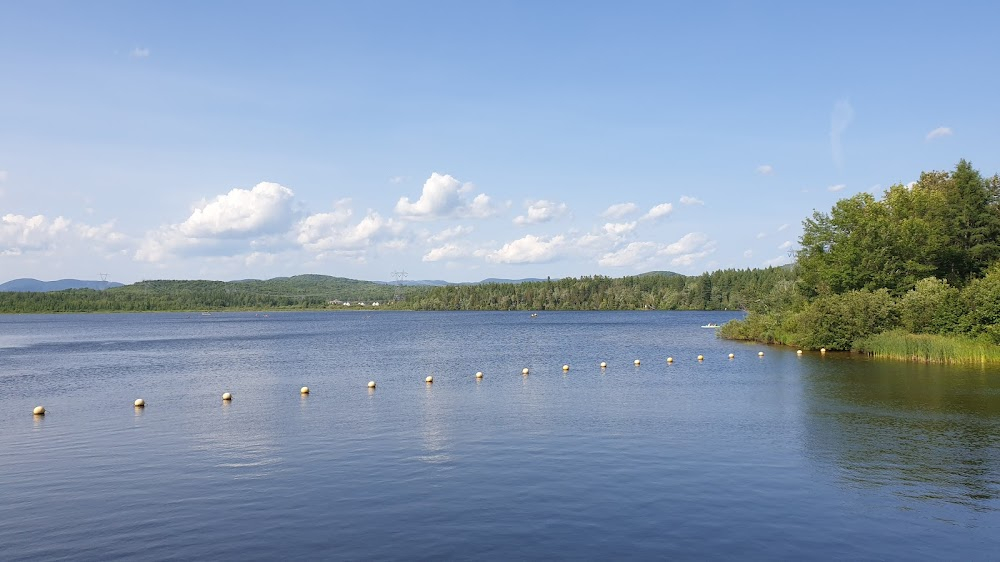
(444, 196)
(266, 208)
(449, 251)
(449, 234)
(684, 252)
(840, 118)
(20, 233)
(541, 211)
(619, 210)
(690, 242)
(659, 211)
(619, 228)
(938, 133)
(765, 169)
(530, 249)
(836, 188)
(688, 200)
(634, 254)
(337, 231)
(139, 53)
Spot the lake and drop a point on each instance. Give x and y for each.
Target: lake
(776, 457)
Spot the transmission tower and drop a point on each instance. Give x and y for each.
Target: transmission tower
(399, 276)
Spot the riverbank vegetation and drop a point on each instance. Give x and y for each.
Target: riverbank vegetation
(914, 274)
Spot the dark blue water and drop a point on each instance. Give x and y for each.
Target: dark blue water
(780, 457)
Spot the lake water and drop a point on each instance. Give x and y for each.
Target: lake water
(780, 457)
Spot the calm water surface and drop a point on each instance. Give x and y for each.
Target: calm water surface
(780, 457)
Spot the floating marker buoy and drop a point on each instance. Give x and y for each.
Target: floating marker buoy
(822, 350)
(604, 365)
(732, 355)
(799, 352)
(524, 371)
(39, 411)
(140, 403)
(371, 384)
(760, 354)
(429, 379)
(227, 396)
(304, 390)
(636, 362)
(479, 375)
(565, 367)
(670, 359)
(701, 358)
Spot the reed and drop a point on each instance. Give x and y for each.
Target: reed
(930, 348)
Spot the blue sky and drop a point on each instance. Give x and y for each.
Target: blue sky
(466, 140)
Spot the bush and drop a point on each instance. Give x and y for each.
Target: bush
(837, 321)
(932, 307)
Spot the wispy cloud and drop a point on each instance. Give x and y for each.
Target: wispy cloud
(938, 133)
(688, 200)
(541, 211)
(619, 210)
(748, 254)
(840, 118)
(139, 53)
(783, 227)
(785, 245)
(659, 211)
(765, 169)
(836, 188)
(396, 179)
(3, 175)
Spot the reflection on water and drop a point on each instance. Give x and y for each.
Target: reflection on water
(923, 432)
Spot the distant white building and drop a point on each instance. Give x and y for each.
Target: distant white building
(347, 304)
(375, 303)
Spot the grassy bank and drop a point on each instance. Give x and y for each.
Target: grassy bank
(930, 348)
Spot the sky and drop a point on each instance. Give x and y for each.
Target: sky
(468, 140)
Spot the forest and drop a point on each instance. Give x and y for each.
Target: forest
(912, 274)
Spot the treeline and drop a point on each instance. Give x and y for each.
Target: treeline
(723, 289)
(719, 290)
(298, 292)
(923, 259)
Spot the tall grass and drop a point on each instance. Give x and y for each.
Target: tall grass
(930, 348)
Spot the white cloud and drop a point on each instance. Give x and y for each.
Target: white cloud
(20, 233)
(447, 252)
(688, 200)
(938, 133)
(541, 211)
(840, 118)
(396, 179)
(139, 53)
(444, 196)
(783, 227)
(765, 169)
(688, 243)
(634, 254)
(336, 232)
(450, 233)
(619, 228)
(761, 235)
(748, 254)
(836, 188)
(619, 210)
(659, 211)
(530, 249)
(242, 213)
(785, 245)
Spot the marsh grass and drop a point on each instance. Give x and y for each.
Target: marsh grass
(930, 348)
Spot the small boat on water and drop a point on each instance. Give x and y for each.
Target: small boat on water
(534, 315)
(711, 325)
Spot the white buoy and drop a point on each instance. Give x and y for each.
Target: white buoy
(604, 365)
(304, 390)
(565, 367)
(371, 384)
(701, 358)
(479, 375)
(822, 350)
(760, 354)
(636, 362)
(39, 411)
(732, 355)
(524, 371)
(140, 403)
(429, 379)
(799, 352)
(227, 396)
(670, 359)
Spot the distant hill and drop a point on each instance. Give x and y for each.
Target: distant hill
(661, 273)
(36, 286)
